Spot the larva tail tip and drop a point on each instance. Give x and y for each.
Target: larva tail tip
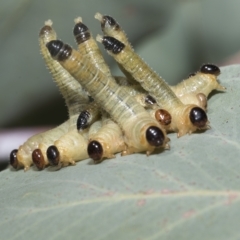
(98, 16)
(38, 159)
(77, 20)
(49, 23)
(99, 38)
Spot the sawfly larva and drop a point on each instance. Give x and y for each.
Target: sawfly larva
(197, 87)
(68, 149)
(22, 158)
(107, 141)
(141, 132)
(185, 118)
(72, 92)
(88, 47)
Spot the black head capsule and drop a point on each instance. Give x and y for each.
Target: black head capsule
(210, 69)
(112, 44)
(13, 158)
(53, 155)
(95, 151)
(110, 21)
(155, 136)
(83, 120)
(81, 32)
(198, 117)
(59, 50)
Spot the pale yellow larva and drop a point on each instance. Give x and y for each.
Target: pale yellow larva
(141, 132)
(111, 28)
(88, 47)
(107, 141)
(185, 118)
(22, 158)
(73, 93)
(198, 86)
(76, 98)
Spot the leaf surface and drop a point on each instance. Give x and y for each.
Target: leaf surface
(189, 192)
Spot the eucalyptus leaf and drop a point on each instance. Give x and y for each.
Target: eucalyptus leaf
(191, 191)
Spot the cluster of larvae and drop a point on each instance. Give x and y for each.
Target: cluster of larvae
(108, 114)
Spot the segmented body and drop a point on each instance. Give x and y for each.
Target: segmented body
(157, 88)
(107, 141)
(130, 116)
(24, 153)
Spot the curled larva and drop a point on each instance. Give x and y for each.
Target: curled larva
(197, 87)
(68, 149)
(107, 141)
(22, 158)
(185, 118)
(141, 132)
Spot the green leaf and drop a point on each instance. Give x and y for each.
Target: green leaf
(189, 192)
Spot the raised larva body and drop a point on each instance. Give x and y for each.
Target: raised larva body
(88, 47)
(185, 118)
(141, 132)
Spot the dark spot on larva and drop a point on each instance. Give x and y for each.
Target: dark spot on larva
(53, 155)
(150, 100)
(191, 75)
(59, 50)
(13, 158)
(83, 120)
(198, 117)
(210, 69)
(81, 32)
(155, 136)
(111, 21)
(95, 151)
(112, 44)
(45, 30)
(163, 117)
(38, 159)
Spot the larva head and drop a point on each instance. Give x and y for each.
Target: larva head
(111, 44)
(190, 119)
(163, 117)
(59, 50)
(155, 136)
(95, 151)
(210, 69)
(53, 155)
(13, 159)
(198, 117)
(38, 159)
(83, 120)
(81, 32)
